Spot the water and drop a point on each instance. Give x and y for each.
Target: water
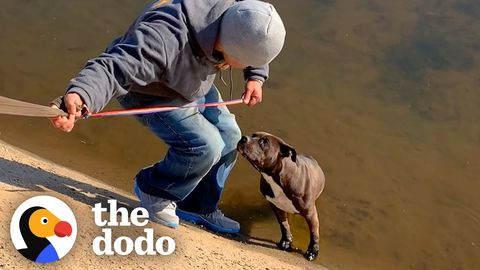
(384, 94)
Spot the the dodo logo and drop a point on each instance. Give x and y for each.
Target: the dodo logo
(43, 229)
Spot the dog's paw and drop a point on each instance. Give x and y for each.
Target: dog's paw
(285, 245)
(311, 254)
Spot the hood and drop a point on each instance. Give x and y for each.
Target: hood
(204, 18)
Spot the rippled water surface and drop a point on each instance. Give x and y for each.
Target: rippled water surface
(384, 94)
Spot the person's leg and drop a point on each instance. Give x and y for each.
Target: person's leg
(200, 206)
(206, 195)
(195, 145)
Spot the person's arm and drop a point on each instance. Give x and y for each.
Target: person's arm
(255, 77)
(256, 73)
(139, 58)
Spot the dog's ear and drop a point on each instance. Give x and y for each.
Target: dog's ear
(288, 151)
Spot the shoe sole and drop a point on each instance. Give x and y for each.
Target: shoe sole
(165, 223)
(194, 218)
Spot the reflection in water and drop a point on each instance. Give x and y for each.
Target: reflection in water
(383, 93)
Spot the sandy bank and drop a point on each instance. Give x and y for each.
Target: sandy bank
(24, 175)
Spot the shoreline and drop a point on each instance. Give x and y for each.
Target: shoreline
(24, 175)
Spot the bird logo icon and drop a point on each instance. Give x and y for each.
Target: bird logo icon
(43, 229)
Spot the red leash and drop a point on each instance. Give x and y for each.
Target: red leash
(159, 109)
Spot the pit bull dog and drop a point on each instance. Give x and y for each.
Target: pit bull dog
(290, 181)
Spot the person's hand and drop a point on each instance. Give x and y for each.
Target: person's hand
(72, 102)
(253, 93)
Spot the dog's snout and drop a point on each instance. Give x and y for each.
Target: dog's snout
(241, 144)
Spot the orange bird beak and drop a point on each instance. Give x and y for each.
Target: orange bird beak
(62, 229)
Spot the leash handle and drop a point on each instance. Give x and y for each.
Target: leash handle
(60, 103)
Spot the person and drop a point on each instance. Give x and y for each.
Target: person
(170, 55)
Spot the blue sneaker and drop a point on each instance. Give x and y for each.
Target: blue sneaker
(159, 210)
(216, 221)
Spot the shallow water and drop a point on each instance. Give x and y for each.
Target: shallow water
(384, 94)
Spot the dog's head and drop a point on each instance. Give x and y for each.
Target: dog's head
(265, 151)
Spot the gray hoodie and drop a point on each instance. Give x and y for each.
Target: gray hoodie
(167, 51)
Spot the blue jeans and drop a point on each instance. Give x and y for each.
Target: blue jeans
(202, 150)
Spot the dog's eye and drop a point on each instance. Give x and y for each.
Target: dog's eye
(263, 141)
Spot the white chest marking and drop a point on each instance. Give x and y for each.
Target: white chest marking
(279, 199)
